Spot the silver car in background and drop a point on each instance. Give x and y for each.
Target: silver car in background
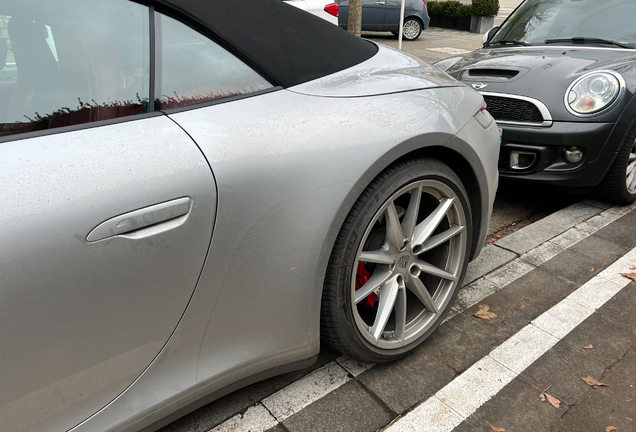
(191, 203)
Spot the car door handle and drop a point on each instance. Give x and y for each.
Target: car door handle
(142, 218)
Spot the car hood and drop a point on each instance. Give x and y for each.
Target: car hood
(543, 73)
(389, 71)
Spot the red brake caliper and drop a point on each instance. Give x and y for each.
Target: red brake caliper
(362, 277)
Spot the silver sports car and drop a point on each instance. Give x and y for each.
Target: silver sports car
(195, 193)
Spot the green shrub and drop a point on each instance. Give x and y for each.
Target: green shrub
(485, 7)
(454, 9)
(434, 8)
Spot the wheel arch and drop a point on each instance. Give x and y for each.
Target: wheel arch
(440, 146)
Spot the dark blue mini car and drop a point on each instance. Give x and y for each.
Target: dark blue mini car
(384, 15)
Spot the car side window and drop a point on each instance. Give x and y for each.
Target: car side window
(69, 62)
(192, 69)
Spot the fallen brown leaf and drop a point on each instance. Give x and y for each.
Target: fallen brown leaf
(610, 428)
(502, 319)
(593, 383)
(497, 429)
(592, 269)
(522, 306)
(595, 310)
(553, 401)
(631, 276)
(484, 314)
(590, 346)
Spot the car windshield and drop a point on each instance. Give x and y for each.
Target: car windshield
(587, 21)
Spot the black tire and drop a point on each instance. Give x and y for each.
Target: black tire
(338, 319)
(613, 188)
(418, 30)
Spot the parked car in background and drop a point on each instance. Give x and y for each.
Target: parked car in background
(560, 78)
(384, 15)
(180, 222)
(325, 9)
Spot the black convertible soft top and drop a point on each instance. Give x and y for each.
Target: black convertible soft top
(287, 44)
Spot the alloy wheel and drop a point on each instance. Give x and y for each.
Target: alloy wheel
(631, 171)
(408, 264)
(411, 29)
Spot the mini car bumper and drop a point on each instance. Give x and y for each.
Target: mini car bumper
(538, 154)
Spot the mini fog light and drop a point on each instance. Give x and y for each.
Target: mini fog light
(573, 154)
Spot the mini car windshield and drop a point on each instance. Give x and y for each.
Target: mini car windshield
(536, 22)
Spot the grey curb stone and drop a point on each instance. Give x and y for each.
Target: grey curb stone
(541, 231)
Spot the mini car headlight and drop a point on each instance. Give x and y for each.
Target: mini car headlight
(594, 92)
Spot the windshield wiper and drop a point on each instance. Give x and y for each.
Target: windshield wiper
(509, 42)
(590, 40)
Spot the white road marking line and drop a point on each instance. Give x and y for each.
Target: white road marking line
(476, 386)
(296, 396)
(522, 349)
(449, 50)
(483, 380)
(255, 419)
(432, 416)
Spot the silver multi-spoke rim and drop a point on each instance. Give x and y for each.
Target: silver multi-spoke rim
(411, 29)
(432, 224)
(631, 171)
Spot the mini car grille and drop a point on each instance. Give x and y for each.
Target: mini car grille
(515, 110)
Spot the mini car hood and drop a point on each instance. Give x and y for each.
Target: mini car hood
(389, 71)
(543, 73)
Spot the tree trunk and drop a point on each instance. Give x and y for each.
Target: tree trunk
(354, 25)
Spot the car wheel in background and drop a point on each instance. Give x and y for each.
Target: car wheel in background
(398, 262)
(619, 185)
(412, 29)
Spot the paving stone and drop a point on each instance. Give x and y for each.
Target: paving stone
(278, 428)
(594, 412)
(569, 238)
(541, 289)
(600, 250)
(564, 317)
(433, 413)
(543, 253)
(621, 379)
(516, 408)
(610, 341)
(406, 382)
(214, 413)
(474, 293)
(507, 305)
(509, 273)
(490, 258)
(460, 342)
(573, 266)
(620, 232)
(254, 419)
(621, 308)
(304, 392)
(551, 370)
(346, 409)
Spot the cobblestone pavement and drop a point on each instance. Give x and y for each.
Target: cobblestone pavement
(564, 313)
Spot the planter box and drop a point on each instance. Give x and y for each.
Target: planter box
(448, 22)
(481, 24)
(435, 20)
(463, 23)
